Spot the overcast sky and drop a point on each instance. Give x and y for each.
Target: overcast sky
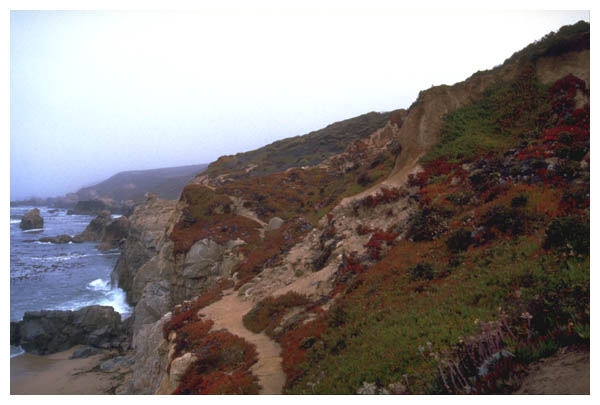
(96, 93)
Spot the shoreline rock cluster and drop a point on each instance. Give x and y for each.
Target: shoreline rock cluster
(109, 232)
(46, 332)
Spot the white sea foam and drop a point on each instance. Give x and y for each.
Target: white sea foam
(15, 221)
(62, 258)
(115, 216)
(34, 230)
(99, 285)
(116, 298)
(20, 352)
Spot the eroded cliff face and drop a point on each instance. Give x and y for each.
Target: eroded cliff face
(158, 275)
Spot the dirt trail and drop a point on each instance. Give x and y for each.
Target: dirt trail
(397, 178)
(227, 313)
(565, 373)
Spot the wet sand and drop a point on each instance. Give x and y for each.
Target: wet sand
(56, 374)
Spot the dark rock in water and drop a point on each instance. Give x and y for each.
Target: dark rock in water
(85, 352)
(52, 211)
(115, 232)
(32, 220)
(15, 334)
(105, 230)
(44, 332)
(94, 232)
(58, 239)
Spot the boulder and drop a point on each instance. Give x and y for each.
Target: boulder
(85, 352)
(151, 358)
(94, 232)
(202, 260)
(274, 223)
(115, 232)
(15, 334)
(32, 220)
(58, 239)
(44, 332)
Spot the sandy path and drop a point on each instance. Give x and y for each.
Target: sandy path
(227, 313)
(56, 374)
(397, 178)
(566, 373)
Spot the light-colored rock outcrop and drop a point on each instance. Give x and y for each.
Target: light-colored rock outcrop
(151, 357)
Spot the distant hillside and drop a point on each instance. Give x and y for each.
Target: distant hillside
(132, 185)
(302, 150)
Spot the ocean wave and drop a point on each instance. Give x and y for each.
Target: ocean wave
(99, 285)
(19, 351)
(61, 258)
(15, 221)
(110, 297)
(34, 230)
(115, 216)
(116, 298)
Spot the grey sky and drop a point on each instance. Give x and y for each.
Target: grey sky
(95, 93)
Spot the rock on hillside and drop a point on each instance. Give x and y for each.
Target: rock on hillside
(32, 220)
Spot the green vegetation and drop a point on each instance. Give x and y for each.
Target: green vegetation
(494, 268)
(267, 314)
(495, 123)
(305, 150)
(208, 215)
(569, 38)
(308, 192)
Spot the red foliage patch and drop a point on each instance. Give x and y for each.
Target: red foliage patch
(374, 244)
(221, 229)
(437, 167)
(267, 313)
(222, 365)
(294, 345)
(349, 267)
(265, 252)
(384, 196)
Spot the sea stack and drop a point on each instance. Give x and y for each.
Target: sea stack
(32, 220)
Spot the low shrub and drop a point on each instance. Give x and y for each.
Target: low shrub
(568, 233)
(506, 220)
(222, 366)
(422, 271)
(268, 312)
(459, 240)
(427, 224)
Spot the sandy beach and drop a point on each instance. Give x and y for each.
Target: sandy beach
(56, 374)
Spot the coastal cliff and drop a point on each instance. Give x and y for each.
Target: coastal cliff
(380, 266)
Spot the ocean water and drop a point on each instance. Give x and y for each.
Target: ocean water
(58, 276)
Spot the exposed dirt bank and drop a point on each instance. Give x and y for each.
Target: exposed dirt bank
(565, 373)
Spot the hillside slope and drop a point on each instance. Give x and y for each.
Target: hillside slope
(298, 151)
(442, 252)
(166, 183)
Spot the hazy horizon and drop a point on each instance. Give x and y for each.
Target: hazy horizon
(97, 93)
